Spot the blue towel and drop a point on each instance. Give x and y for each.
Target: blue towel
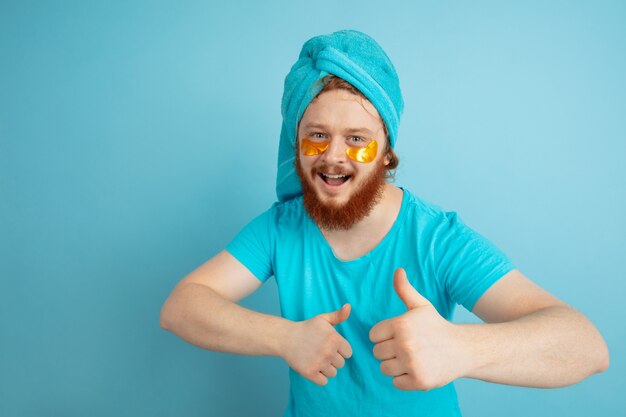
(348, 54)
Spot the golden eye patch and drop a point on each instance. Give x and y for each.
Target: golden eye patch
(364, 155)
(310, 148)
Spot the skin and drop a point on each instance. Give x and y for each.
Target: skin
(529, 338)
(342, 117)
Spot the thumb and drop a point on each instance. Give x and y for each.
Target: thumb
(337, 316)
(407, 293)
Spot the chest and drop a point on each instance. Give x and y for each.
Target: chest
(350, 248)
(311, 280)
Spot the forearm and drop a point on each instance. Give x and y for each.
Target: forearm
(553, 347)
(203, 318)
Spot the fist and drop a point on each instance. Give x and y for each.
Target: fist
(316, 350)
(420, 349)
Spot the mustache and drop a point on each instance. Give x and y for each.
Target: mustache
(329, 169)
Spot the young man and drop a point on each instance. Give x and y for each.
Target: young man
(368, 273)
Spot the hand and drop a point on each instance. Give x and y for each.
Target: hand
(315, 349)
(419, 348)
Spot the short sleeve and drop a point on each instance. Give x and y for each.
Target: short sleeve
(466, 262)
(253, 246)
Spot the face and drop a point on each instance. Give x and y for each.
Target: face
(339, 187)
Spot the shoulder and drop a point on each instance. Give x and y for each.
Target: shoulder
(283, 214)
(426, 211)
(432, 224)
(288, 209)
(279, 221)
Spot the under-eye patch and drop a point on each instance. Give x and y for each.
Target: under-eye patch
(310, 148)
(366, 154)
(359, 154)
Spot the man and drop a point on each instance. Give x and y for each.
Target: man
(368, 273)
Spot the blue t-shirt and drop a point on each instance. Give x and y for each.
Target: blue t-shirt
(445, 260)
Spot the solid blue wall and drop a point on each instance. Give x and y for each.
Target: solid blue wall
(121, 125)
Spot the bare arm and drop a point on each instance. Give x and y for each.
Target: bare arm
(202, 309)
(533, 339)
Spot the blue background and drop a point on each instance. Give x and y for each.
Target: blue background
(136, 138)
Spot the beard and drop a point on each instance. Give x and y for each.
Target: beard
(331, 216)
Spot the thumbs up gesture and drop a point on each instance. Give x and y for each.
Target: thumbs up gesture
(315, 349)
(420, 349)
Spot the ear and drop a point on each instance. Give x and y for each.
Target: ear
(387, 159)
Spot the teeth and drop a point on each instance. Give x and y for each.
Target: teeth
(335, 176)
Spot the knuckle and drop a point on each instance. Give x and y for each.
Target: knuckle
(337, 362)
(348, 349)
(329, 341)
(328, 353)
(422, 382)
(412, 364)
(398, 324)
(311, 372)
(338, 341)
(409, 347)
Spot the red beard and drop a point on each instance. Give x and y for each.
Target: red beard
(331, 216)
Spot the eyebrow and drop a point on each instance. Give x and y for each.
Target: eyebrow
(322, 126)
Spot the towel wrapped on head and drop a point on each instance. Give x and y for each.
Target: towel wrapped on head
(352, 56)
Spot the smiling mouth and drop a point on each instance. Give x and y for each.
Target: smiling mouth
(334, 179)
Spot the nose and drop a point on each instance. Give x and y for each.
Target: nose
(336, 152)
